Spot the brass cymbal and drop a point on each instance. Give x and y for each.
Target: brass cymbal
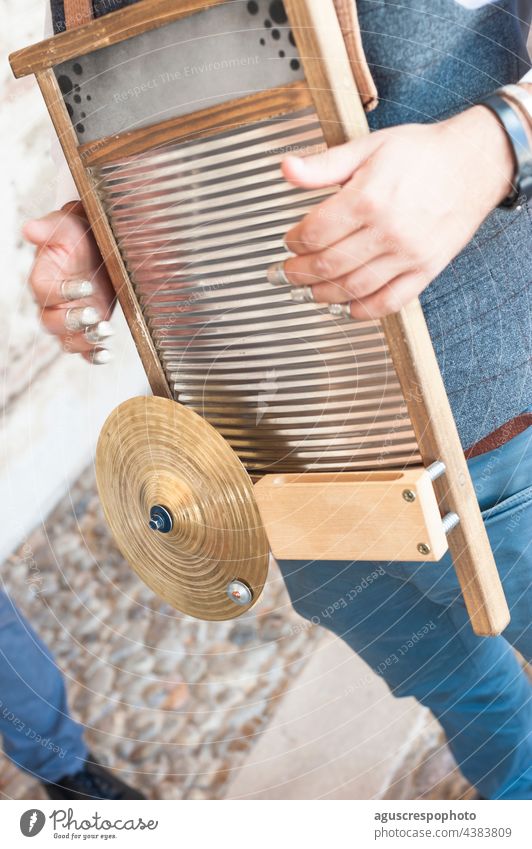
(181, 508)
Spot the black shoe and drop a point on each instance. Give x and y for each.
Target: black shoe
(93, 781)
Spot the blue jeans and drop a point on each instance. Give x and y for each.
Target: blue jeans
(38, 733)
(409, 623)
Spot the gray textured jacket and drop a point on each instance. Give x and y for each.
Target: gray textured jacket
(430, 59)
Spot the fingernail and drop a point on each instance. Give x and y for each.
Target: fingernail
(276, 275)
(101, 357)
(77, 319)
(99, 332)
(73, 290)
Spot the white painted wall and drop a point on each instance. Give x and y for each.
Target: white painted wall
(52, 404)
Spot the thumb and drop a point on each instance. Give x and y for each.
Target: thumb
(332, 167)
(57, 228)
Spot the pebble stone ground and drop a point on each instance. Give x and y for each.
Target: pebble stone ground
(173, 703)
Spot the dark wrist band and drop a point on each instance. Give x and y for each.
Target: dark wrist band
(512, 124)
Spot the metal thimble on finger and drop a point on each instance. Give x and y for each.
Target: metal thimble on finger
(76, 290)
(277, 275)
(100, 357)
(78, 318)
(340, 310)
(97, 333)
(303, 295)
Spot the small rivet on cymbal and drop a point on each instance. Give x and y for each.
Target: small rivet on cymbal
(239, 593)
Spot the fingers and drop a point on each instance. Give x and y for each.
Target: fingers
(56, 293)
(75, 319)
(99, 357)
(367, 294)
(51, 290)
(62, 228)
(77, 343)
(360, 284)
(74, 206)
(88, 341)
(336, 217)
(329, 168)
(70, 282)
(327, 224)
(79, 327)
(389, 299)
(67, 264)
(64, 267)
(338, 261)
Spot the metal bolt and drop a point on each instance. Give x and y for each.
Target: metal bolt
(239, 593)
(436, 470)
(450, 521)
(160, 519)
(423, 549)
(409, 496)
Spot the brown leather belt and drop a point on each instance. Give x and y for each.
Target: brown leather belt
(500, 436)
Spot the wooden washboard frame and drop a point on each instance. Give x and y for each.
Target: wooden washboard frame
(335, 98)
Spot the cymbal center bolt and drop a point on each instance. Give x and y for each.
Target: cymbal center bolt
(160, 519)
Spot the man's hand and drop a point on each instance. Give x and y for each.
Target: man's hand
(412, 197)
(69, 274)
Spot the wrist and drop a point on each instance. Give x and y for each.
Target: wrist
(487, 154)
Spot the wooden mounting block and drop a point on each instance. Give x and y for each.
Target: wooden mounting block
(352, 516)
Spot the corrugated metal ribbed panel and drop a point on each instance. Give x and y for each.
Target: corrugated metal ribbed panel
(288, 385)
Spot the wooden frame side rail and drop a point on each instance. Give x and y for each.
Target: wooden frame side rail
(103, 234)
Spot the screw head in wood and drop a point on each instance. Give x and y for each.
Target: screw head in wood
(409, 495)
(423, 549)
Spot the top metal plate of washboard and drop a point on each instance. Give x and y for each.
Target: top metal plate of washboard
(290, 387)
(220, 54)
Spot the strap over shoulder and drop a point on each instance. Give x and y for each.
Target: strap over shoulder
(346, 11)
(77, 13)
